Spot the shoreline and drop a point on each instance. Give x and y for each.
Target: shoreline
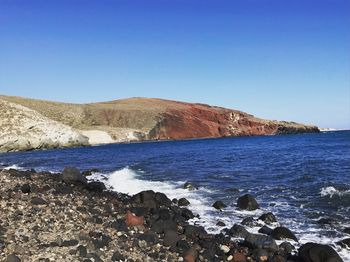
(86, 222)
(161, 141)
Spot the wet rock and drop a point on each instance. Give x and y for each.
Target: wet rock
(238, 231)
(220, 223)
(133, 220)
(90, 172)
(170, 238)
(38, 201)
(183, 202)
(249, 221)
(72, 175)
(345, 243)
(12, 258)
(25, 188)
(281, 233)
(326, 221)
(265, 230)
(189, 186)
(247, 202)
(268, 218)
(187, 214)
(232, 190)
(312, 252)
(162, 199)
(260, 241)
(286, 248)
(219, 205)
(347, 230)
(194, 231)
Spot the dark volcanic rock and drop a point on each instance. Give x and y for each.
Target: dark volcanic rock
(280, 233)
(238, 231)
(183, 202)
(219, 205)
(268, 218)
(189, 186)
(72, 175)
(162, 199)
(265, 230)
(96, 186)
(38, 201)
(70, 243)
(260, 241)
(12, 258)
(117, 256)
(247, 202)
(311, 252)
(161, 226)
(347, 230)
(170, 238)
(345, 243)
(25, 188)
(249, 221)
(286, 248)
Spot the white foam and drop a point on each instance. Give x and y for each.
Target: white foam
(129, 182)
(14, 167)
(331, 191)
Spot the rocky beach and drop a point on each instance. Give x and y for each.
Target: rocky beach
(69, 217)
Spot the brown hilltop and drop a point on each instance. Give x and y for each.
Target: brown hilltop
(154, 119)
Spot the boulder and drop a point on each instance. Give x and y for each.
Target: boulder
(260, 241)
(72, 175)
(312, 252)
(268, 218)
(238, 231)
(133, 220)
(162, 199)
(280, 233)
(171, 238)
(191, 255)
(345, 243)
(12, 258)
(96, 186)
(189, 186)
(286, 248)
(347, 230)
(247, 202)
(183, 202)
(249, 221)
(25, 188)
(265, 230)
(219, 205)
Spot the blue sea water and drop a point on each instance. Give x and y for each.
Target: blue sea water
(300, 178)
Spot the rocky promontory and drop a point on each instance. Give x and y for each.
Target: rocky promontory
(28, 124)
(67, 217)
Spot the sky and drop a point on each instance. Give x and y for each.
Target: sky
(283, 60)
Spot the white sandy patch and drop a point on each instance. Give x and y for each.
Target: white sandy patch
(97, 137)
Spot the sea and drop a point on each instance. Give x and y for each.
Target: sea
(304, 179)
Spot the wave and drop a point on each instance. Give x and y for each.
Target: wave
(130, 182)
(17, 167)
(332, 191)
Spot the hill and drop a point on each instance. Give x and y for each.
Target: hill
(132, 119)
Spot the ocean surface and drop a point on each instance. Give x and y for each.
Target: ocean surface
(300, 178)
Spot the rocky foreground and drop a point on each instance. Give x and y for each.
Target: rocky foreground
(28, 124)
(64, 217)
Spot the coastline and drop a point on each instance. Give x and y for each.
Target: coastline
(63, 216)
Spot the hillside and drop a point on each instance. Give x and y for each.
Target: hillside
(137, 119)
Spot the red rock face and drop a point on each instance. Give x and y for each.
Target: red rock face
(199, 121)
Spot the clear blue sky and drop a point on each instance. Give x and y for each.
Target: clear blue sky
(285, 60)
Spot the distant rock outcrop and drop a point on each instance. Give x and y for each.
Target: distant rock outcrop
(34, 124)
